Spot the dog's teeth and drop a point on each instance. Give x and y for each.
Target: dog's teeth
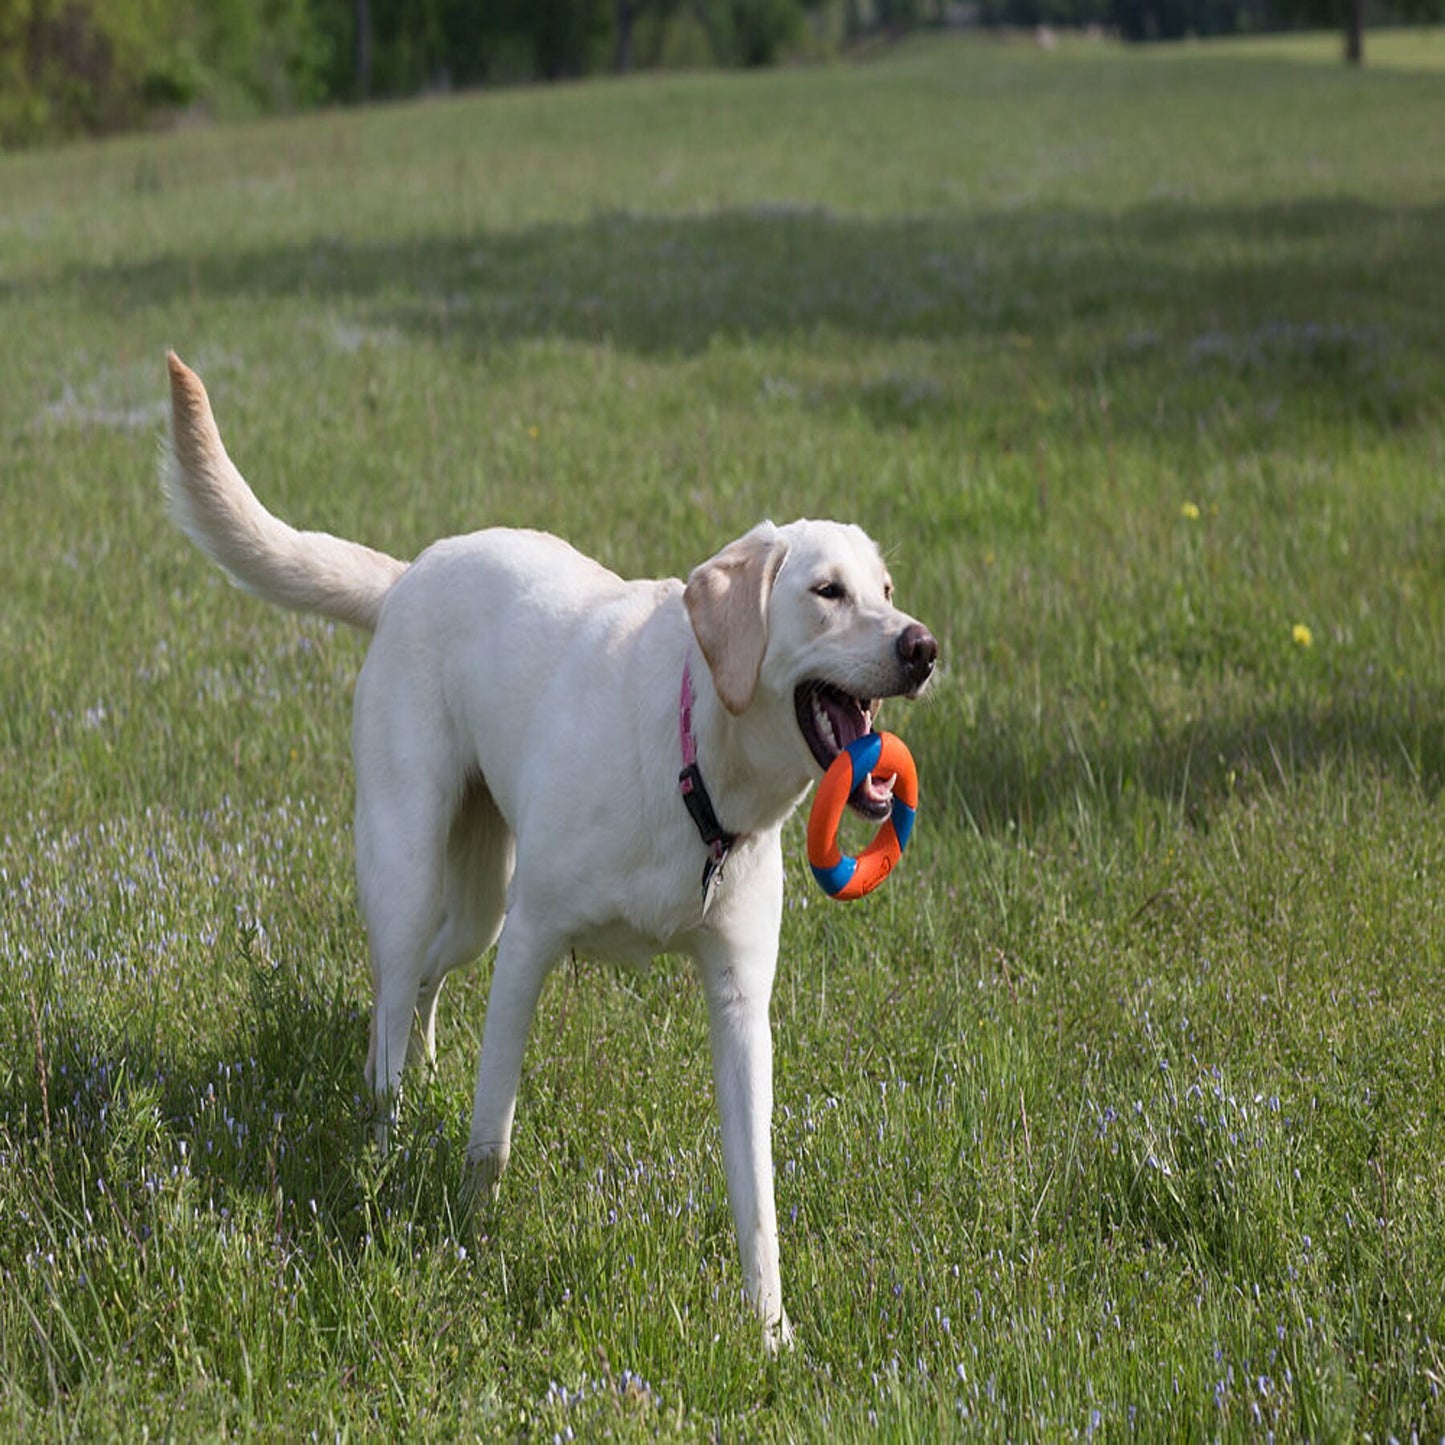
(824, 724)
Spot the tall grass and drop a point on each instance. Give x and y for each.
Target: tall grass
(1117, 1112)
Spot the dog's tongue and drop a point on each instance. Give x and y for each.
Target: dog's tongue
(847, 719)
(849, 723)
(873, 793)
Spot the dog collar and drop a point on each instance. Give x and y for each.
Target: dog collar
(718, 841)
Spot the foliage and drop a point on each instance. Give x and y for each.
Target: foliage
(756, 31)
(84, 65)
(1118, 1110)
(71, 65)
(270, 54)
(68, 64)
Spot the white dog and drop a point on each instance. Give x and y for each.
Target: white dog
(551, 758)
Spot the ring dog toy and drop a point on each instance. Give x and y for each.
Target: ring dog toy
(874, 754)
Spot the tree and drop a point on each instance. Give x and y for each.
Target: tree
(567, 37)
(77, 65)
(1348, 17)
(625, 15)
(363, 48)
(748, 32)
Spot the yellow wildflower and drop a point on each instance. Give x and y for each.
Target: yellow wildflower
(1302, 635)
(1190, 512)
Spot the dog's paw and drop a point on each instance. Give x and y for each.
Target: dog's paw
(383, 1122)
(484, 1171)
(478, 1197)
(778, 1334)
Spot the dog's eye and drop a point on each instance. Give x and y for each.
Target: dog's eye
(831, 591)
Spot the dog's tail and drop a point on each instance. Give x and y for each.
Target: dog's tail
(210, 501)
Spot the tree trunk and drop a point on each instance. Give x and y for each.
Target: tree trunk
(1355, 32)
(625, 12)
(363, 49)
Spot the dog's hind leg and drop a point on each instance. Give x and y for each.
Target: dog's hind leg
(526, 954)
(403, 911)
(474, 898)
(401, 842)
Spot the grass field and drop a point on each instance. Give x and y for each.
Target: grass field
(1117, 1113)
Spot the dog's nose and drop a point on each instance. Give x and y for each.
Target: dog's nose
(917, 651)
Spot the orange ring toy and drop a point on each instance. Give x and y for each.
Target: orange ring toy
(839, 875)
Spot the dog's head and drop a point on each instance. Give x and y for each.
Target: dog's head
(804, 615)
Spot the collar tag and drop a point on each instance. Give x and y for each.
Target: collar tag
(712, 876)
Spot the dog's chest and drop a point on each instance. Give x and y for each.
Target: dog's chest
(619, 942)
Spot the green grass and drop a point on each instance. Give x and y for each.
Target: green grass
(1118, 1111)
(1402, 48)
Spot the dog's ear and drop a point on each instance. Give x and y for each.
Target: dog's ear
(727, 603)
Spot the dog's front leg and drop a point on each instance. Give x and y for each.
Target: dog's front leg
(738, 986)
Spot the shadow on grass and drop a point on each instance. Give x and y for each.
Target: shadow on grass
(1194, 767)
(272, 1118)
(1337, 301)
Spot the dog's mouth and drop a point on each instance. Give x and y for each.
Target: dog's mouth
(829, 720)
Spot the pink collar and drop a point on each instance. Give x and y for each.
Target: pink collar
(684, 718)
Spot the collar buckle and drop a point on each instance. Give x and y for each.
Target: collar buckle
(718, 841)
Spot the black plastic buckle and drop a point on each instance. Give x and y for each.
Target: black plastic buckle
(699, 805)
(718, 840)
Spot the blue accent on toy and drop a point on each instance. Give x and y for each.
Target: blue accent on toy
(838, 877)
(864, 752)
(902, 820)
